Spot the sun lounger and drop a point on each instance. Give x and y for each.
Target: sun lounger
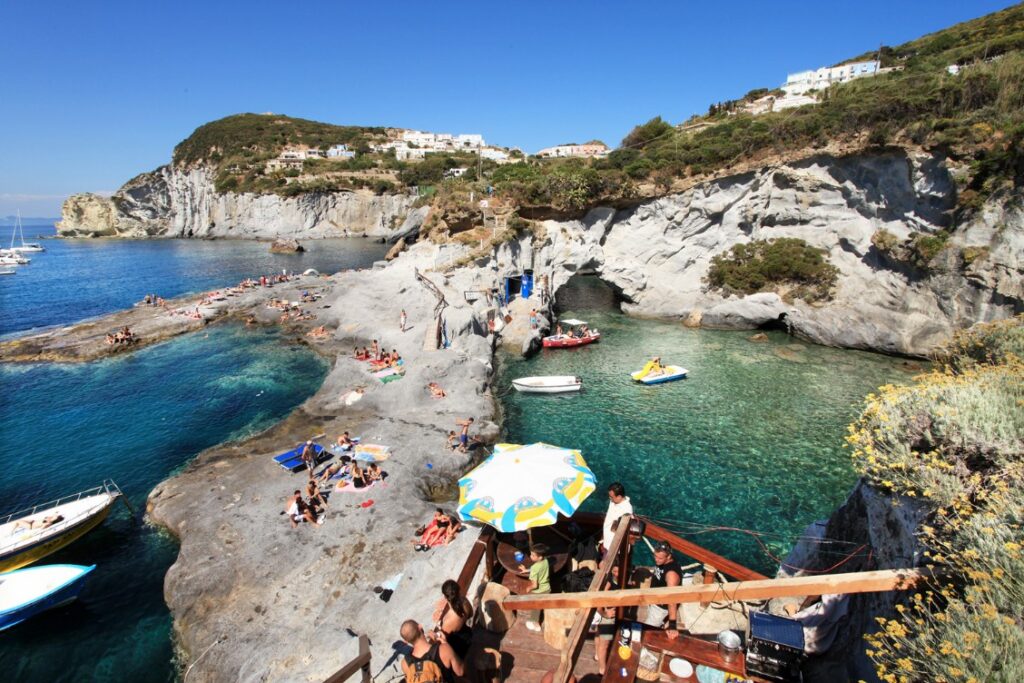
(292, 460)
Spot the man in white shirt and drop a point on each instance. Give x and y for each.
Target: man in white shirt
(618, 505)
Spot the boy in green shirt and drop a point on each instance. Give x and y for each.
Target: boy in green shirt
(540, 581)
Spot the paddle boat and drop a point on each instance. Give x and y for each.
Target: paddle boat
(31, 534)
(578, 335)
(548, 384)
(27, 592)
(668, 373)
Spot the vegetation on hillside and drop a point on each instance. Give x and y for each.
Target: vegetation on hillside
(955, 441)
(789, 266)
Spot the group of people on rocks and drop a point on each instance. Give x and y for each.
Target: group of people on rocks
(153, 300)
(122, 336)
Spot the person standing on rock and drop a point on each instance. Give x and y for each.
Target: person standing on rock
(464, 434)
(309, 457)
(401, 320)
(376, 350)
(533, 319)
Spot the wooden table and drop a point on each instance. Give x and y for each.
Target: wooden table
(615, 664)
(694, 650)
(506, 551)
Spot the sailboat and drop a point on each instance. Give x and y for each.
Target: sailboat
(25, 246)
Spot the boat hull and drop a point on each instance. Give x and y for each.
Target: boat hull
(570, 342)
(547, 385)
(27, 555)
(61, 595)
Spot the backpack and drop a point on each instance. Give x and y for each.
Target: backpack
(424, 670)
(577, 581)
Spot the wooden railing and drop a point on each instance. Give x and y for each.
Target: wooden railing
(361, 661)
(483, 548)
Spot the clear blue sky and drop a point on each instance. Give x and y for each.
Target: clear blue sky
(96, 92)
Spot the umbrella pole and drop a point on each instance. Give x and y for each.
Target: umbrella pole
(529, 535)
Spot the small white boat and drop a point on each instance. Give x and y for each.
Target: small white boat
(548, 384)
(27, 592)
(7, 270)
(12, 258)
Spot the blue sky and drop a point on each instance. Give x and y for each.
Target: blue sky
(96, 92)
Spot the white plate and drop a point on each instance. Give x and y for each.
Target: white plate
(680, 667)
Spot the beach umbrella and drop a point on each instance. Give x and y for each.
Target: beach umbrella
(521, 487)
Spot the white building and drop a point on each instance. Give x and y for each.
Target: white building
(819, 79)
(340, 152)
(455, 172)
(472, 140)
(590, 149)
(494, 154)
(442, 142)
(283, 164)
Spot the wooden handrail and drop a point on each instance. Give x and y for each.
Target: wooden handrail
(854, 582)
(567, 661)
(480, 547)
(361, 661)
(703, 555)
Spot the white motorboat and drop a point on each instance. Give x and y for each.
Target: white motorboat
(7, 270)
(20, 232)
(10, 258)
(548, 384)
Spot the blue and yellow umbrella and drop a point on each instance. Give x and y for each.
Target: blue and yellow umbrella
(521, 487)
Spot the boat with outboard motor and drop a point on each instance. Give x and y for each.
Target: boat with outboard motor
(31, 534)
(548, 384)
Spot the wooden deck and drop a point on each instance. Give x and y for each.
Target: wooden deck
(526, 657)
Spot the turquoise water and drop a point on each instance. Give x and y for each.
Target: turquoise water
(76, 279)
(134, 419)
(752, 439)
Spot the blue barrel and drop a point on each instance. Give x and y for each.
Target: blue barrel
(527, 287)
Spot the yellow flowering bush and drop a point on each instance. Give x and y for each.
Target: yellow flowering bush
(955, 439)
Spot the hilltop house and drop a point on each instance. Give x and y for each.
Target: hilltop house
(340, 152)
(804, 81)
(590, 149)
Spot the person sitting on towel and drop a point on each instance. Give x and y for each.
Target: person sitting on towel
(358, 478)
(374, 473)
(345, 442)
(343, 468)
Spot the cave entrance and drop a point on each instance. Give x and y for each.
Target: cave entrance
(779, 324)
(586, 292)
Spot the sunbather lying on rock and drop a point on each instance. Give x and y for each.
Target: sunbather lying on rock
(440, 531)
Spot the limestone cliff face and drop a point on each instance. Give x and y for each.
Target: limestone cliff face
(657, 254)
(182, 202)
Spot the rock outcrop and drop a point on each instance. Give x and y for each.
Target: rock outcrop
(175, 201)
(657, 254)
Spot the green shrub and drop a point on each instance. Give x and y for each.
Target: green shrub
(787, 264)
(955, 442)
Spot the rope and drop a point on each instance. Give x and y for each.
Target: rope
(196, 660)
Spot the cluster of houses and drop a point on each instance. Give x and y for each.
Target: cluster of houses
(417, 144)
(293, 158)
(799, 87)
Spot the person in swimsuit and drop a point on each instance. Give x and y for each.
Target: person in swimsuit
(451, 615)
(440, 653)
(340, 467)
(464, 433)
(314, 496)
(44, 523)
(345, 442)
(309, 457)
(358, 479)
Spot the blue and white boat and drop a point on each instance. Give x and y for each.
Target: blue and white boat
(27, 592)
(668, 373)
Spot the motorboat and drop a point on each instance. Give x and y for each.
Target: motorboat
(13, 258)
(548, 384)
(27, 592)
(7, 270)
(668, 373)
(577, 335)
(31, 534)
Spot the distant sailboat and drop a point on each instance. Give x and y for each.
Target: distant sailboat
(20, 232)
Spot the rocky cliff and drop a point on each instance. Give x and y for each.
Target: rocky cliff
(177, 201)
(657, 254)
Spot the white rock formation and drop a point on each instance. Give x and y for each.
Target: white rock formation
(176, 201)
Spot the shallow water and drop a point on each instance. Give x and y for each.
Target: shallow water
(135, 419)
(76, 279)
(752, 439)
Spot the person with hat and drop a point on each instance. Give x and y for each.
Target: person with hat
(309, 457)
(667, 572)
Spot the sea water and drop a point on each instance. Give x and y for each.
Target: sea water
(751, 440)
(136, 419)
(76, 279)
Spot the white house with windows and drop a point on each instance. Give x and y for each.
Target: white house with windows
(471, 140)
(805, 81)
(494, 154)
(340, 152)
(590, 149)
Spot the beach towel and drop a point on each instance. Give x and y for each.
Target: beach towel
(345, 486)
(372, 452)
(391, 378)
